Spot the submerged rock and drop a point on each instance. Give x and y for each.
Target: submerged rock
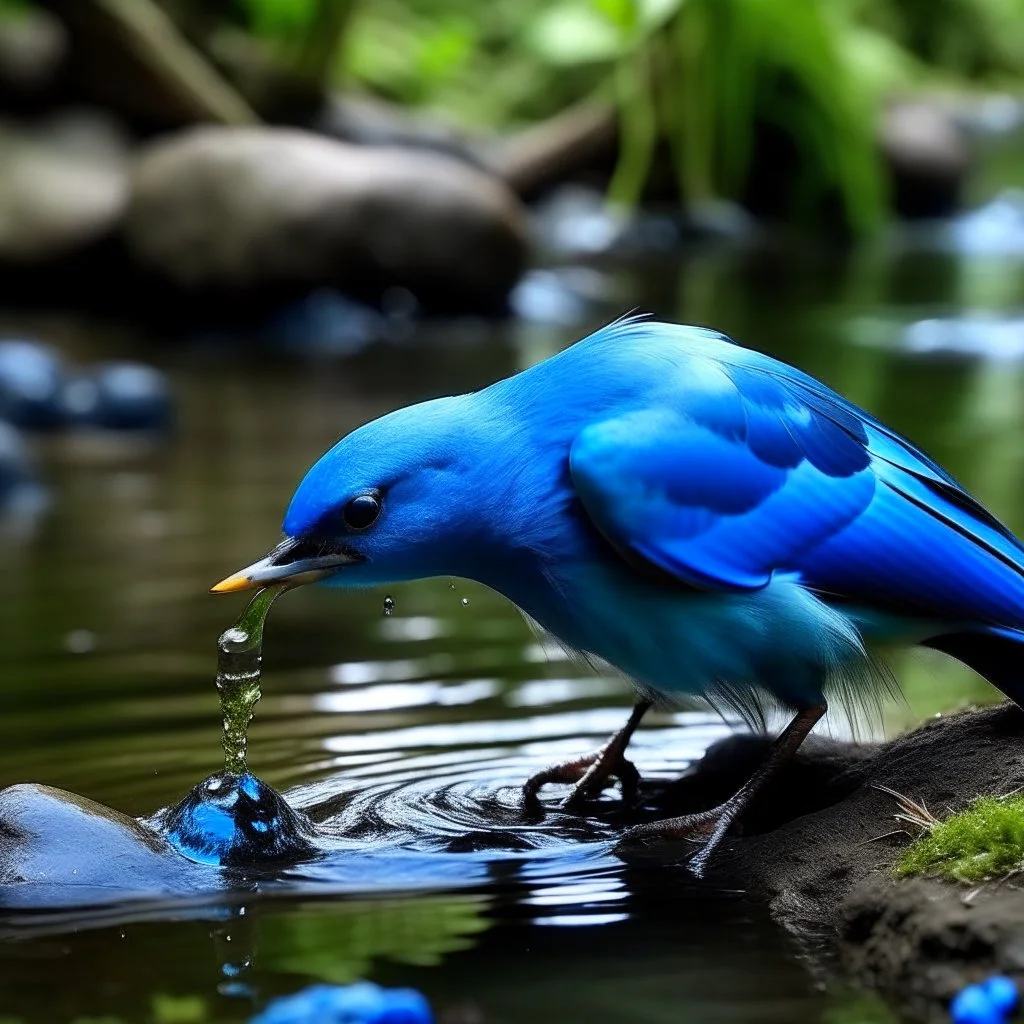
(235, 821)
(234, 212)
(31, 377)
(118, 396)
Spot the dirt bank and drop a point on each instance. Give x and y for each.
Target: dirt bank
(821, 842)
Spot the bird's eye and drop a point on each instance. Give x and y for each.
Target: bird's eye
(362, 511)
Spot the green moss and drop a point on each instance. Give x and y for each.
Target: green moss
(984, 841)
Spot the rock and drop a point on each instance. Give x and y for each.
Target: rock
(60, 849)
(927, 156)
(240, 212)
(324, 322)
(118, 396)
(63, 186)
(63, 849)
(576, 222)
(31, 378)
(235, 821)
(562, 296)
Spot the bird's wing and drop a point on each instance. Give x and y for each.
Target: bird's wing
(752, 471)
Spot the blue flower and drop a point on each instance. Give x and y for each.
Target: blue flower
(990, 1002)
(362, 1003)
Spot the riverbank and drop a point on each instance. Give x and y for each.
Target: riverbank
(820, 846)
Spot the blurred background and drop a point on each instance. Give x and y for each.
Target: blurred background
(233, 230)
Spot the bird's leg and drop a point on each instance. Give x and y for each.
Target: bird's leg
(712, 825)
(593, 772)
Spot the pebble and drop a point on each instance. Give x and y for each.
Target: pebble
(118, 396)
(31, 378)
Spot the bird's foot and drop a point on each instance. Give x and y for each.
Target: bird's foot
(707, 828)
(592, 773)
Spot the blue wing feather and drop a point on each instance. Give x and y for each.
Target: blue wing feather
(758, 469)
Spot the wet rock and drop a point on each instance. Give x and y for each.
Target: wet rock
(577, 222)
(235, 821)
(31, 378)
(324, 322)
(928, 158)
(59, 848)
(563, 296)
(244, 212)
(118, 396)
(63, 186)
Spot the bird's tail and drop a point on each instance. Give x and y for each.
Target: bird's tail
(995, 652)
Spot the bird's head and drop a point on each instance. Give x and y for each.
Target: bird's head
(392, 501)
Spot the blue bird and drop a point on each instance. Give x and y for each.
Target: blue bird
(710, 521)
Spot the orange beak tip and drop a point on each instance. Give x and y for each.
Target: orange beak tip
(232, 585)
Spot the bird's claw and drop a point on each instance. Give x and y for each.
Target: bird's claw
(591, 774)
(708, 828)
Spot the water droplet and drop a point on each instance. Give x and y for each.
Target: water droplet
(451, 584)
(465, 602)
(389, 605)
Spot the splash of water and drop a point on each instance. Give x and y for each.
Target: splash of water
(240, 654)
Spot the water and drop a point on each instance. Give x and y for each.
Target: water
(239, 657)
(406, 736)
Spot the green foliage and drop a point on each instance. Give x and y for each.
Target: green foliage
(703, 78)
(279, 18)
(972, 39)
(983, 842)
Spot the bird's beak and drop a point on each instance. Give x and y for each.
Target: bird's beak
(293, 562)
